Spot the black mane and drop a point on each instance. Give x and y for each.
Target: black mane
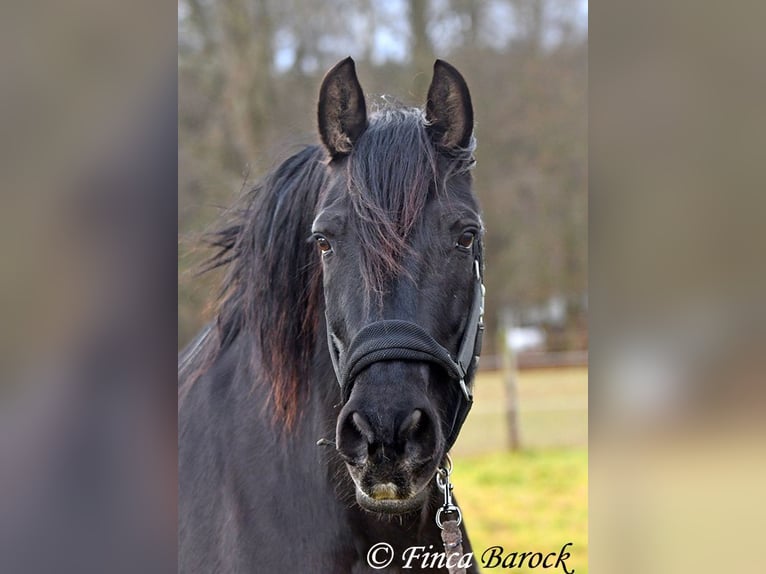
(272, 287)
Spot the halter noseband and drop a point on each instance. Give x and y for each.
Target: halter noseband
(395, 340)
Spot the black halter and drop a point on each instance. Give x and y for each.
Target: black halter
(394, 340)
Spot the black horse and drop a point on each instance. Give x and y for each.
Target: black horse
(355, 262)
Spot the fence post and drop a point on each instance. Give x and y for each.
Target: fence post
(510, 375)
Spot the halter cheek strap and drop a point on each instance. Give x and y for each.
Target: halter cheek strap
(395, 340)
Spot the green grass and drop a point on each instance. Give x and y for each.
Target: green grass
(532, 501)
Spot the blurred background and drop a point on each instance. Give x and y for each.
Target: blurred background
(249, 73)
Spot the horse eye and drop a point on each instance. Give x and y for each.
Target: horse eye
(466, 239)
(323, 244)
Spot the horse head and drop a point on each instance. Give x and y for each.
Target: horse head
(399, 234)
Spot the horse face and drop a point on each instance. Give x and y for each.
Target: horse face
(398, 232)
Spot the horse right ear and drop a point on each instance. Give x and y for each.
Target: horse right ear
(342, 112)
(449, 112)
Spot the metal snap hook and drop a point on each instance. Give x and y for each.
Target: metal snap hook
(444, 484)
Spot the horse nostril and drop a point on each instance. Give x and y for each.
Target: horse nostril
(363, 426)
(417, 430)
(410, 425)
(354, 436)
(418, 435)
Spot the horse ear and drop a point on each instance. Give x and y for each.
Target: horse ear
(342, 112)
(448, 110)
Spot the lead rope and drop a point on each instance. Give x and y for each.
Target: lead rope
(452, 538)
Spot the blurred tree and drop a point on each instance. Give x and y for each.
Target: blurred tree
(422, 51)
(530, 20)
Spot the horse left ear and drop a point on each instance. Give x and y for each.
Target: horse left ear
(449, 112)
(342, 112)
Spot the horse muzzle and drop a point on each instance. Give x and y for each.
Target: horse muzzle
(391, 448)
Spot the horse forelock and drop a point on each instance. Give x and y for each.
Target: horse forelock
(393, 170)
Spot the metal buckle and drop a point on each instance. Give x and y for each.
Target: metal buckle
(465, 389)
